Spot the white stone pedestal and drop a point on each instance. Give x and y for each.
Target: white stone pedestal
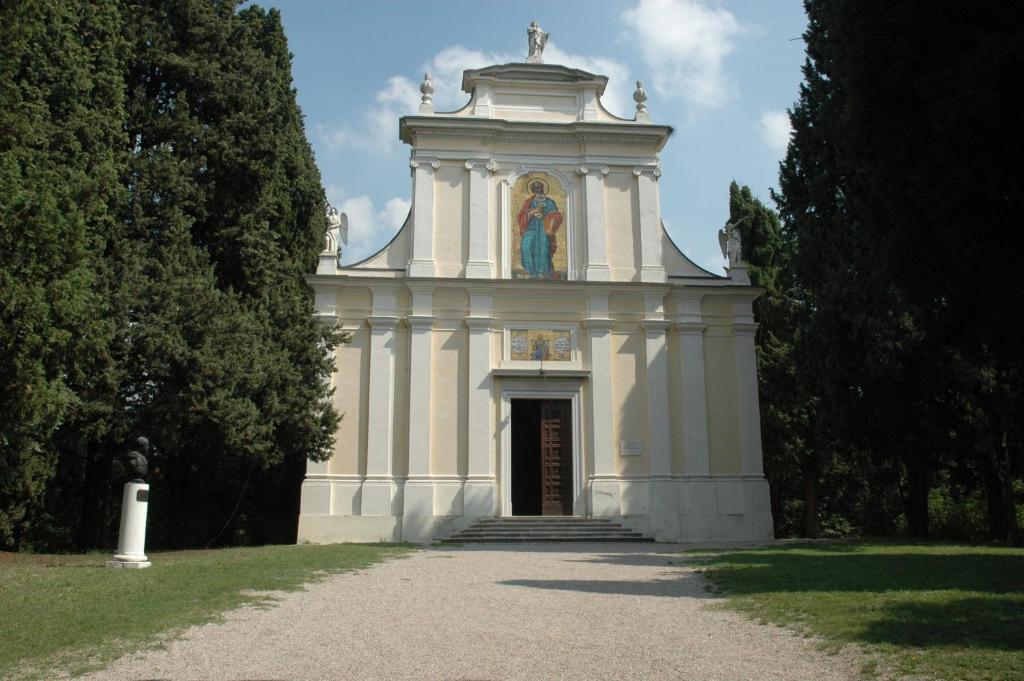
(131, 542)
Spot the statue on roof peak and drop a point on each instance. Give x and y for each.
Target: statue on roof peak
(536, 39)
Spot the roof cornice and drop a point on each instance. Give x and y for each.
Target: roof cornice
(496, 129)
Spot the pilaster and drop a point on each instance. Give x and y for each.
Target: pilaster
(749, 408)
(690, 336)
(481, 496)
(421, 264)
(604, 488)
(378, 486)
(480, 264)
(659, 432)
(596, 267)
(651, 268)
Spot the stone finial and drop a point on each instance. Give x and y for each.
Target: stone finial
(427, 89)
(640, 97)
(536, 40)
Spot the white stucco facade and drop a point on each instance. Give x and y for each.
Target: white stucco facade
(655, 356)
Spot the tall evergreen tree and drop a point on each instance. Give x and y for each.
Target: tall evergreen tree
(909, 369)
(227, 199)
(858, 338)
(62, 156)
(932, 137)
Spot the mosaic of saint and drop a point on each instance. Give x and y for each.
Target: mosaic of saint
(541, 345)
(539, 249)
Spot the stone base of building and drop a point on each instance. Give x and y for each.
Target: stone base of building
(677, 509)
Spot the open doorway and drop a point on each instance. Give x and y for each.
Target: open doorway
(541, 457)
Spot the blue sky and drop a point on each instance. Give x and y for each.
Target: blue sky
(722, 73)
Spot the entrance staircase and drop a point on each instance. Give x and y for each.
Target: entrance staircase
(526, 529)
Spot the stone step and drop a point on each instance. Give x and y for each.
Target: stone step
(531, 539)
(533, 528)
(547, 523)
(547, 529)
(581, 536)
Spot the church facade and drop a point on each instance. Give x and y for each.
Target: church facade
(531, 342)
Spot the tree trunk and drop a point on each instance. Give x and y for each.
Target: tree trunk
(775, 497)
(918, 486)
(812, 524)
(92, 520)
(1002, 511)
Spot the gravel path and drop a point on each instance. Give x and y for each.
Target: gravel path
(554, 611)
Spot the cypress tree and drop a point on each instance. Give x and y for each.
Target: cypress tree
(932, 138)
(227, 199)
(61, 164)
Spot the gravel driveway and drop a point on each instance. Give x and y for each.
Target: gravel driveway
(556, 611)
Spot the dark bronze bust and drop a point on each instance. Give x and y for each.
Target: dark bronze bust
(137, 465)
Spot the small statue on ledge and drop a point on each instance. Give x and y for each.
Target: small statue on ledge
(336, 237)
(536, 40)
(729, 240)
(137, 466)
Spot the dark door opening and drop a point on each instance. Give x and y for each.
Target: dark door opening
(541, 457)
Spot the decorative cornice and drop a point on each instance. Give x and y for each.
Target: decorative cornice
(695, 328)
(501, 130)
(479, 323)
(420, 322)
(382, 321)
(654, 325)
(600, 324)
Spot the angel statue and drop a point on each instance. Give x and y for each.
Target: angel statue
(337, 231)
(729, 240)
(536, 39)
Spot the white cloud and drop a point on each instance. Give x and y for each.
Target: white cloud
(369, 229)
(334, 138)
(775, 130)
(379, 127)
(684, 43)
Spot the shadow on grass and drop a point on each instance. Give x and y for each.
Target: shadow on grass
(992, 623)
(951, 601)
(822, 569)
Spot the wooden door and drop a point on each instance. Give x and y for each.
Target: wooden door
(556, 457)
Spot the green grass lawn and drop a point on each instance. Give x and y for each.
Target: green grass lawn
(940, 611)
(71, 612)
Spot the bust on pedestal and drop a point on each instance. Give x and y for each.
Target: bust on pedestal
(131, 542)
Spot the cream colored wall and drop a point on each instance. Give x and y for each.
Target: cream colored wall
(621, 225)
(722, 387)
(400, 422)
(352, 374)
(449, 391)
(629, 393)
(569, 307)
(448, 401)
(451, 220)
(675, 397)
